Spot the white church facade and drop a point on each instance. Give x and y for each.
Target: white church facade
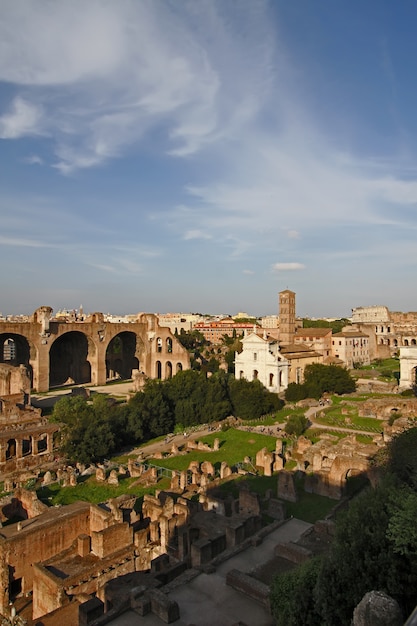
(261, 360)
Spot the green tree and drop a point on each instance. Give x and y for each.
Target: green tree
(335, 325)
(361, 559)
(402, 458)
(292, 596)
(86, 434)
(250, 399)
(150, 412)
(295, 392)
(328, 378)
(296, 425)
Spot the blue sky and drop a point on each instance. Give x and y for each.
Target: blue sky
(183, 155)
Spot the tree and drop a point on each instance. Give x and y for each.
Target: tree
(250, 399)
(86, 434)
(296, 425)
(150, 412)
(328, 378)
(335, 325)
(358, 561)
(292, 596)
(295, 392)
(402, 458)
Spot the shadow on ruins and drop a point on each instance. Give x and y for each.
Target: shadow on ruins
(102, 560)
(88, 564)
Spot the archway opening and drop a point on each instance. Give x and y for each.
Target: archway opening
(15, 350)
(11, 449)
(68, 360)
(120, 357)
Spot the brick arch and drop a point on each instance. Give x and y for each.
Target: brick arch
(41, 331)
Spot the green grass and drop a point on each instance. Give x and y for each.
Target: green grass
(279, 417)
(234, 446)
(309, 507)
(92, 491)
(334, 416)
(390, 363)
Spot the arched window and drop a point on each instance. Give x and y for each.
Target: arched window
(169, 345)
(271, 380)
(255, 374)
(159, 344)
(158, 369)
(9, 350)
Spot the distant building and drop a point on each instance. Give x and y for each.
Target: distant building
(352, 347)
(178, 322)
(318, 339)
(387, 330)
(215, 331)
(298, 357)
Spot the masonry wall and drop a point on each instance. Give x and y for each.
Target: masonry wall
(39, 540)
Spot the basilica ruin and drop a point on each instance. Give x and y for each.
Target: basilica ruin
(89, 350)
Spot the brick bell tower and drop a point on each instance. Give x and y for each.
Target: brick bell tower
(286, 316)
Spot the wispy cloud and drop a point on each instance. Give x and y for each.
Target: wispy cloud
(107, 73)
(196, 234)
(34, 159)
(293, 234)
(25, 243)
(23, 118)
(287, 267)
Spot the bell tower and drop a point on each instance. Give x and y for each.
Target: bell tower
(286, 316)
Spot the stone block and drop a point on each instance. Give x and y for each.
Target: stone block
(167, 610)
(90, 611)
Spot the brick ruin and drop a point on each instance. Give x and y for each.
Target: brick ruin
(58, 555)
(26, 438)
(79, 554)
(61, 555)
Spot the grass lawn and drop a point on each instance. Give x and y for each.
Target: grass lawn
(334, 416)
(279, 417)
(391, 364)
(92, 491)
(235, 445)
(309, 507)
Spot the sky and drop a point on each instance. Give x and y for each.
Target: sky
(202, 156)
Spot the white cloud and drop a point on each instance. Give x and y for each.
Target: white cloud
(248, 272)
(287, 267)
(107, 73)
(34, 159)
(25, 243)
(24, 118)
(196, 234)
(293, 234)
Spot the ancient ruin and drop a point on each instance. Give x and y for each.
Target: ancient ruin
(90, 350)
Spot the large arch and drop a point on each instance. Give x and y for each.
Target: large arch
(68, 362)
(55, 351)
(16, 350)
(121, 356)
